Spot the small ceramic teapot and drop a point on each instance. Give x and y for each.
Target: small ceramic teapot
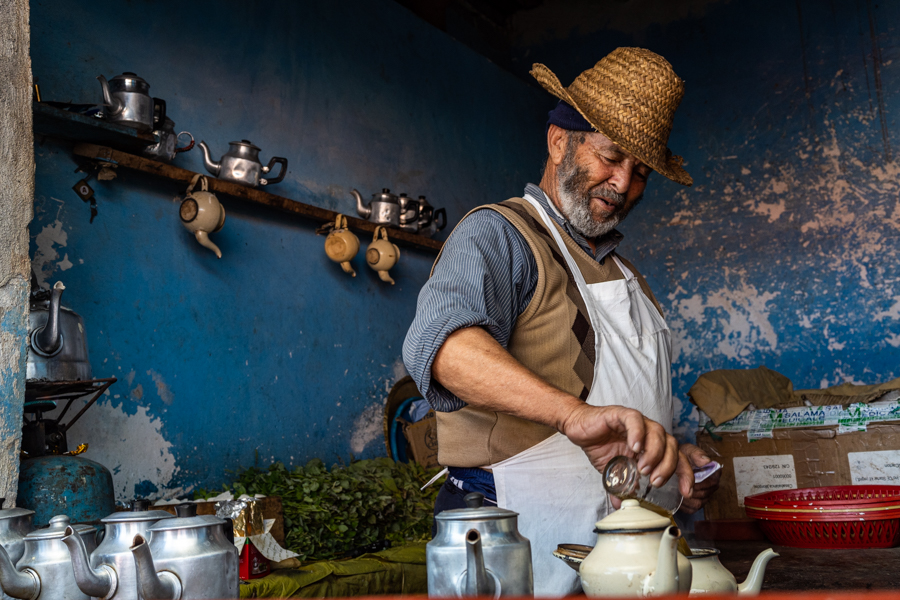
(341, 245)
(201, 214)
(635, 555)
(711, 577)
(382, 254)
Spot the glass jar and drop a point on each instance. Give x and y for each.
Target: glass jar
(623, 479)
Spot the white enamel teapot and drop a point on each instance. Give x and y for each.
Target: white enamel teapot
(711, 577)
(201, 214)
(635, 556)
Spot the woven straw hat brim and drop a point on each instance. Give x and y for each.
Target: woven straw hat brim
(659, 158)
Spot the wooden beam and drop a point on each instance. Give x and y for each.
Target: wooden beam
(254, 195)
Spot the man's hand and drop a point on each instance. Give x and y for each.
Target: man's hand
(604, 432)
(704, 489)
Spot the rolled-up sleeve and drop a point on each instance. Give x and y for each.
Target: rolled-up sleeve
(485, 277)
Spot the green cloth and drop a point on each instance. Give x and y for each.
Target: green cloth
(398, 570)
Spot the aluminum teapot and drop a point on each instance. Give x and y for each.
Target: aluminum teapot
(241, 164)
(57, 348)
(431, 220)
(409, 213)
(127, 101)
(15, 524)
(45, 570)
(711, 577)
(384, 209)
(635, 555)
(478, 551)
(167, 146)
(187, 557)
(109, 571)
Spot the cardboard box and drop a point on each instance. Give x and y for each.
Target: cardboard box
(799, 457)
(422, 438)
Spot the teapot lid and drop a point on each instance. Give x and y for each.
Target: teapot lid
(57, 529)
(187, 519)
(11, 513)
(246, 143)
(474, 511)
(632, 516)
(137, 516)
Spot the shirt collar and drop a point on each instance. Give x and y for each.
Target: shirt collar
(605, 244)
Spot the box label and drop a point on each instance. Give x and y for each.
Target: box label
(760, 474)
(880, 468)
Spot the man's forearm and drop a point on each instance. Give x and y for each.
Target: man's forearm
(479, 371)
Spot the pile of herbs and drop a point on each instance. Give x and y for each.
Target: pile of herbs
(330, 513)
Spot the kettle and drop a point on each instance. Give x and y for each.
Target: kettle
(478, 551)
(711, 577)
(45, 570)
(241, 164)
(187, 558)
(409, 213)
(167, 146)
(201, 214)
(384, 209)
(109, 571)
(431, 220)
(127, 101)
(382, 254)
(57, 348)
(15, 524)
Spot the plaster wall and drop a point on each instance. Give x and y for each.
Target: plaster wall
(272, 352)
(16, 193)
(785, 251)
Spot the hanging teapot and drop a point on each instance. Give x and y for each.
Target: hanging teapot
(127, 101)
(382, 254)
(635, 555)
(201, 214)
(109, 572)
(711, 577)
(431, 220)
(167, 146)
(45, 570)
(186, 558)
(241, 164)
(57, 347)
(341, 245)
(384, 209)
(478, 551)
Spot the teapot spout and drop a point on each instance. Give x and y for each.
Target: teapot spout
(386, 277)
(46, 340)
(18, 584)
(478, 582)
(204, 240)
(211, 165)
(753, 583)
(150, 584)
(361, 209)
(665, 579)
(97, 583)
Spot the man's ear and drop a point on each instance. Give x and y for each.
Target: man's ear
(556, 144)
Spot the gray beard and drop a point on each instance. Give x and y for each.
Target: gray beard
(575, 200)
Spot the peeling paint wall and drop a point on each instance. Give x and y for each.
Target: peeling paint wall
(785, 251)
(16, 193)
(272, 352)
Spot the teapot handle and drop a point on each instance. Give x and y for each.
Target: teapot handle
(440, 215)
(201, 179)
(380, 231)
(340, 222)
(268, 168)
(189, 146)
(159, 113)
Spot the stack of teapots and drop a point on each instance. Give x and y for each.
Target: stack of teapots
(15, 524)
(45, 570)
(109, 571)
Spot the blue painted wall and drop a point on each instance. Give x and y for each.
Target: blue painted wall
(785, 252)
(271, 352)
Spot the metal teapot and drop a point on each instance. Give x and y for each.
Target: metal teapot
(187, 558)
(57, 348)
(15, 524)
(109, 572)
(431, 220)
(167, 146)
(384, 209)
(635, 555)
(409, 213)
(711, 577)
(241, 164)
(127, 101)
(478, 551)
(45, 570)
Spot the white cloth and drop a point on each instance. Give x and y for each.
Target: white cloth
(553, 486)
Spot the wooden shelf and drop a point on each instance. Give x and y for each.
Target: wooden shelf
(254, 195)
(76, 127)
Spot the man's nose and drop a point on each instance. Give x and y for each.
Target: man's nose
(621, 178)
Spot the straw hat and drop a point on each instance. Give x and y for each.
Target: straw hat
(630, 96)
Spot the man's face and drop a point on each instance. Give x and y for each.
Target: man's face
(598, 183)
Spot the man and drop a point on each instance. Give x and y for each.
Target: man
(543, 351)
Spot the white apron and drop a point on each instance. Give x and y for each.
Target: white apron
(552, 485)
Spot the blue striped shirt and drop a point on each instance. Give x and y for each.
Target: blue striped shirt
(486, 276)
